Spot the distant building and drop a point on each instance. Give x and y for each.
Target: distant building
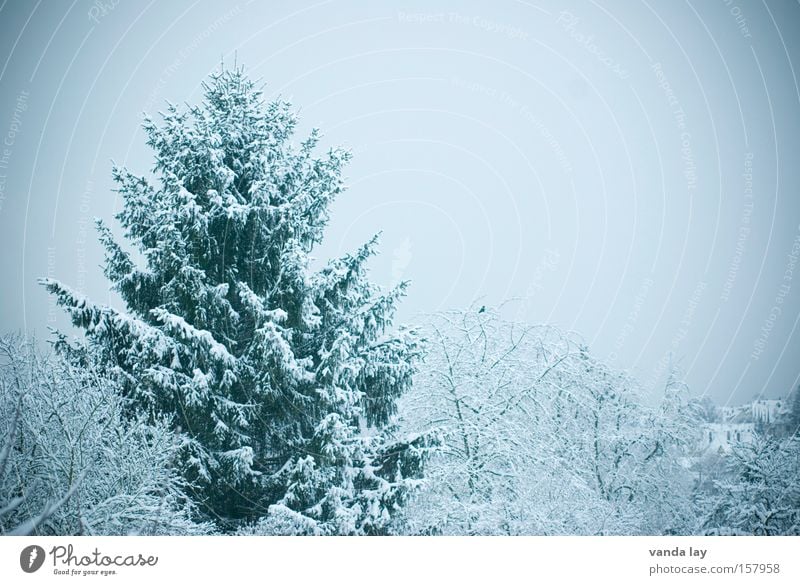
(739, 424)
(722, 437)
(769, 412)
(731, 413)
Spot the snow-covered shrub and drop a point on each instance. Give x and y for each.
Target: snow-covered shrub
(71, 463)
(539, 437)
(756, 492)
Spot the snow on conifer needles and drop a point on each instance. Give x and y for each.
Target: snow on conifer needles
(267, 370)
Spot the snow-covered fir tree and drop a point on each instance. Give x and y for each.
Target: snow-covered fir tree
(280, 381)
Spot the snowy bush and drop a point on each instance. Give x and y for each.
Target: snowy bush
(538, 437)
(755, 492)
(72, 464)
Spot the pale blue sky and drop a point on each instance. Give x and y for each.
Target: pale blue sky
(586, 158)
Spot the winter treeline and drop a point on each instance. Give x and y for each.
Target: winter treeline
(238, 391)
(536, 436)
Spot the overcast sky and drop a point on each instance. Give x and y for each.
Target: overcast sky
(627, 170)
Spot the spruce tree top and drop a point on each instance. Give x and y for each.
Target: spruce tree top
(269, 372)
